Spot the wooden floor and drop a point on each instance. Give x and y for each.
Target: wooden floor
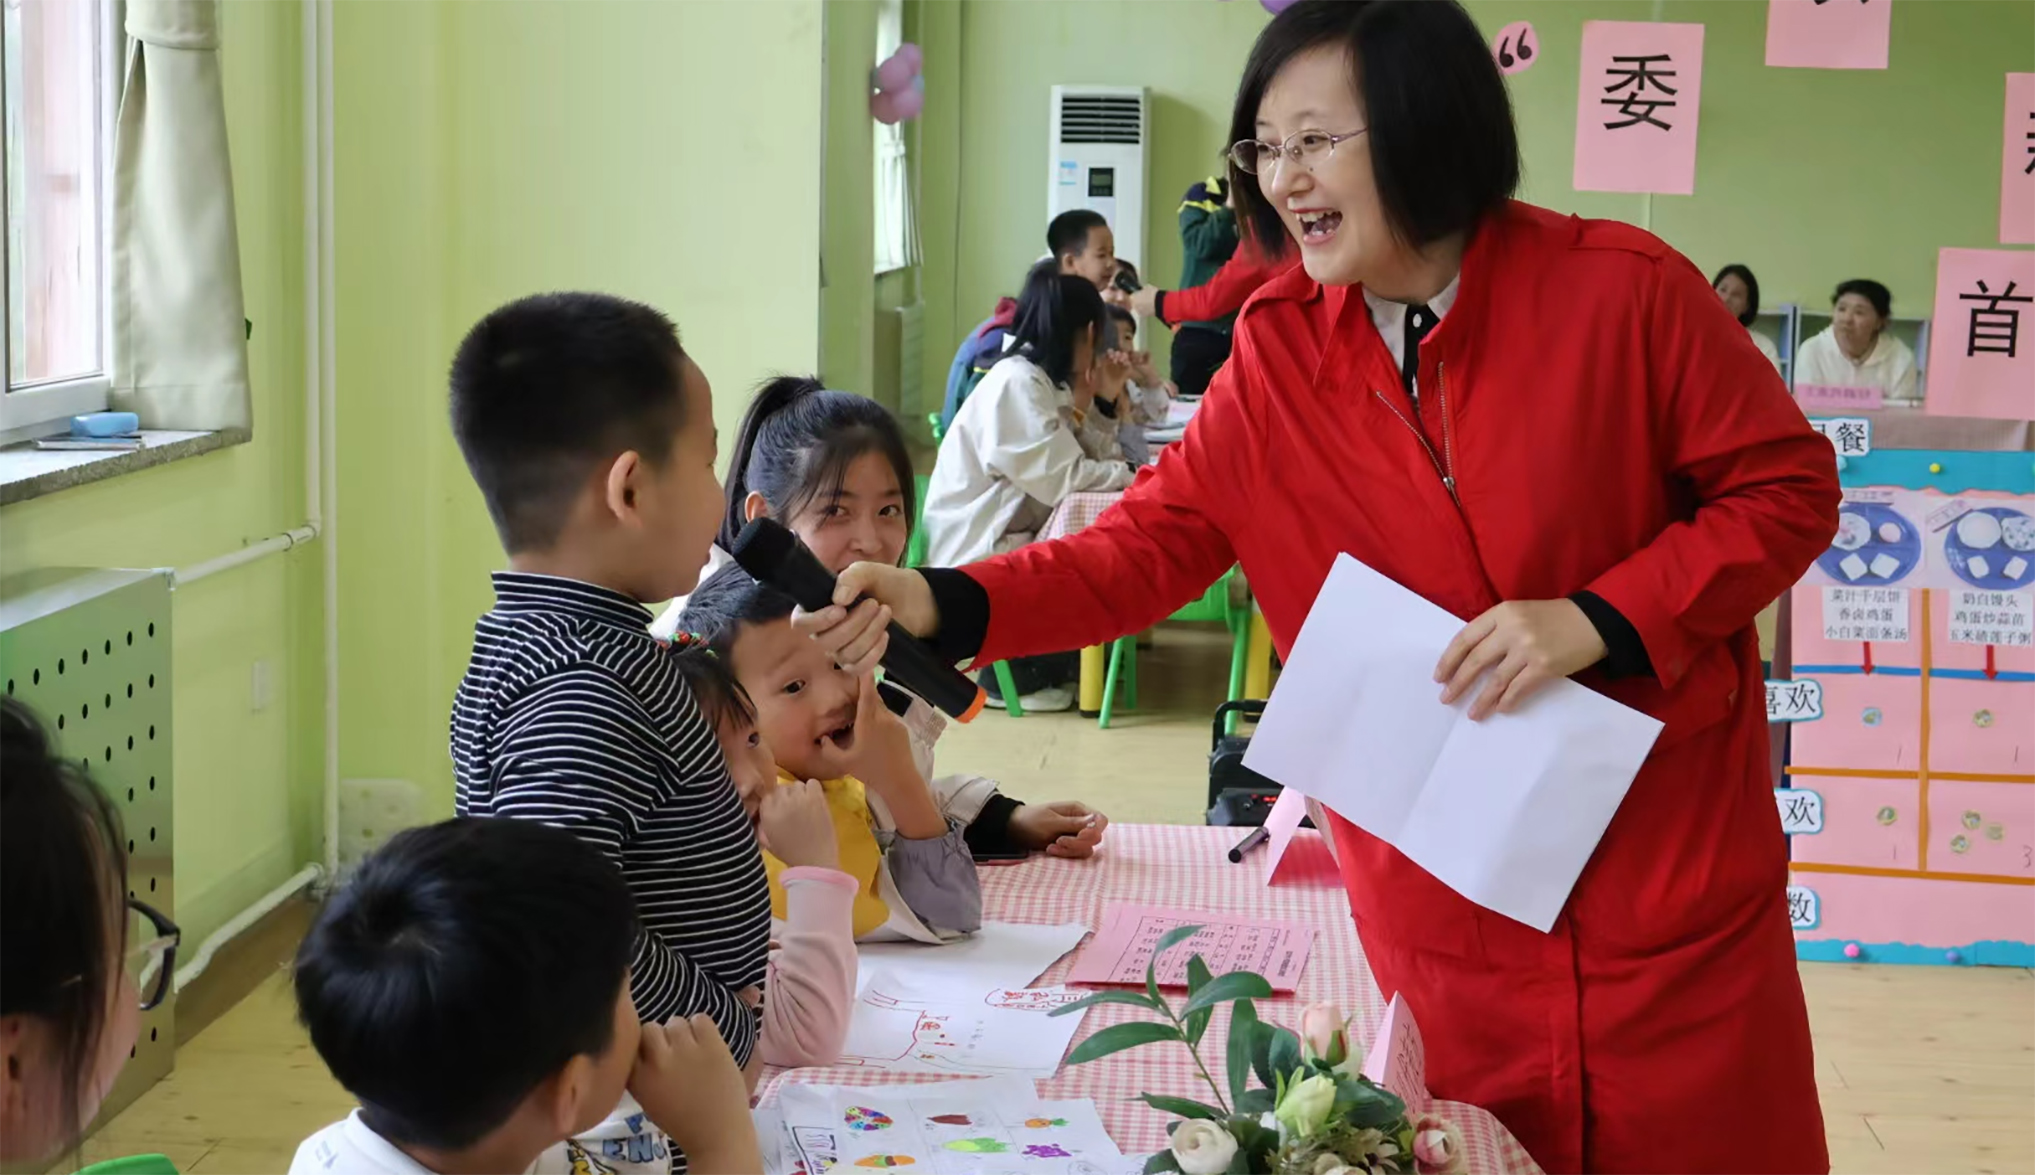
(1922, 1069)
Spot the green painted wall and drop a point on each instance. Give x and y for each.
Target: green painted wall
(487, 151)
(848, 199)
(247, 783)
(1809, 176)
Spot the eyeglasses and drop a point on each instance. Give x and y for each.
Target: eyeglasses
(1306, 148)
(152, 941)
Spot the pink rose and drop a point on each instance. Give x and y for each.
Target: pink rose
(1325, 1032)
(1436, 1147)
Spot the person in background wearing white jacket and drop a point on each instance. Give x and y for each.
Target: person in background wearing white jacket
(1031, 434)
(1740, 293)
(1855, 350)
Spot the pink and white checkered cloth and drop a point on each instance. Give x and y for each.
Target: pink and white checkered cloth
(1078, 512)
(1188, 866)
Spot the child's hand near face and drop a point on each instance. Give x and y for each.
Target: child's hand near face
(795, 826)
(1063, 829)
(689, 1087)
(880, 755)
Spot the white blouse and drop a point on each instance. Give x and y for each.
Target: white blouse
(1890, 366)
(1014, 452)
(1766, 347)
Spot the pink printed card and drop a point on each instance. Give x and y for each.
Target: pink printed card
(1638, 97)
(1816, 34)
(1122, 947)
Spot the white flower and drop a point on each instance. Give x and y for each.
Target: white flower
(1203, 1148)
(1306, 1105)
(1329, 1163)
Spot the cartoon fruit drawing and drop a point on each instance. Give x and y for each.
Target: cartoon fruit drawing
(979, 1146)
(864, 1118)
(1043, 1123)
(952, 1120)
(1047, 1151)
(885, 1161)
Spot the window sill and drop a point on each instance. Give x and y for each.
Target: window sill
(28, 472)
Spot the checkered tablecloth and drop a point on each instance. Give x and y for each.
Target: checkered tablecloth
(1078, 512)
(1187, 866)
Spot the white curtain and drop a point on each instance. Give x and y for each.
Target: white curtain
(179, 341)
(896, 228)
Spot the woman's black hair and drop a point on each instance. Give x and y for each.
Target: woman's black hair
(1444, 153)
(796, 443)
(721, 698)
(62, 874)
(1751, 289)
(1052, 312)
(1882, 299)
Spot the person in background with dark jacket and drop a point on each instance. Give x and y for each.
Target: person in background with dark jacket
(1219, 270)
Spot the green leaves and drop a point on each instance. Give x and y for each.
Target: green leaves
(1237, 985)
(1183, 1107)
(1195, 1017)
(1243, 1041)
(1162, 1161)
(1367, 1106)
(1138, 998)
(1167, 942)
(1118, 1037)
(1276, 1054)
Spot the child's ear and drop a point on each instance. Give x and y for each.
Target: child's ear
(754, 507)
(565, 1096)
(623, 484)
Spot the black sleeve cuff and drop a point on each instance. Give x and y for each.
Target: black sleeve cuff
(1159, 306)
(1106, 407)
(1625, 654)
(990, 832)
(964, 613)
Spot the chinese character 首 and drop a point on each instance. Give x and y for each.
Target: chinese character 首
(1634, 76)
(1994, 328)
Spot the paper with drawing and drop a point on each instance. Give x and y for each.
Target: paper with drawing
(951, 1128)
(1505, 811)
(901, 1027)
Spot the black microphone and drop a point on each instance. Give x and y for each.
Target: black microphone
(775, 556)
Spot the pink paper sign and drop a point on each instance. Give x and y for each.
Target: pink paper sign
(1517, 47)
(1124, 945)
(1828, 34)
(2017, 163)
(1281, 823)
(1982, 339)
(1636, 106)
(1397, 1060)
(1823, 397)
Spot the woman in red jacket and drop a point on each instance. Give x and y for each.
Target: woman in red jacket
(1551, 427)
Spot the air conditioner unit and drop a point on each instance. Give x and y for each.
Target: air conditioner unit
(1100, 140)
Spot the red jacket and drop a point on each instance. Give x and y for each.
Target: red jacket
(1609, 427)
(1230, 288)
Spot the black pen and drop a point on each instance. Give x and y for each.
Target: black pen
(1257, 837)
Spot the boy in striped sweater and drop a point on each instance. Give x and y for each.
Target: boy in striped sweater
(591, 436)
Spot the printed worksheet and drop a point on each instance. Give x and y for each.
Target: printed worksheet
(898, 1027)
(1123, 948)
(953, 1128)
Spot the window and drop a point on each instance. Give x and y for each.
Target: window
(896, 229)
(58, 62)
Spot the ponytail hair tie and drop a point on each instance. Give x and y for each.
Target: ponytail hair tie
(686, 641)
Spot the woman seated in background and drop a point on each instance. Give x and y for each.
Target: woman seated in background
(1740, 291)
(1855, 350)
(1033, 432)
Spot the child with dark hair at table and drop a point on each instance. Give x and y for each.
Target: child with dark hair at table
(1147, 394)
(471, 987)
(914, 875)
(590, 434)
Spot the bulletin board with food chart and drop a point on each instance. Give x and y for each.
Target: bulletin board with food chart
(1910, 798)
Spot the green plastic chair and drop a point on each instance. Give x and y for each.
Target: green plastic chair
(915, 556)
(1214, 605)
(132, 1165)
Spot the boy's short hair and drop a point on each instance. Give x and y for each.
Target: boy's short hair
(1069, 231)
(464, 964)
(550, 387)
(730, 600)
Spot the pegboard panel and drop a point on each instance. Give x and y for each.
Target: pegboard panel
(90, 652)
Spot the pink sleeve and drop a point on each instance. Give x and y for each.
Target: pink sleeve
(811, 987)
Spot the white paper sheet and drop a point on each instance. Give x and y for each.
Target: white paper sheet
(950, 1128)
(1505, 811)
(1001, 954)
(905, 1027)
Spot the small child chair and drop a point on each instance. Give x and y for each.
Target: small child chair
(1215, 604)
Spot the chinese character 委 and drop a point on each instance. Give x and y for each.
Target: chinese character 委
(1995, 327)
(1635, 76)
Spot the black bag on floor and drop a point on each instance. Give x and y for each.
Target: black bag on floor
(1237, 795)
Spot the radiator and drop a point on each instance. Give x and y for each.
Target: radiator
(89, 650)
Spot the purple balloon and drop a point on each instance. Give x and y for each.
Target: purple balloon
(908, 104)
(883, 107)
(912, 53)
(1275, 7)
(894, 74)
